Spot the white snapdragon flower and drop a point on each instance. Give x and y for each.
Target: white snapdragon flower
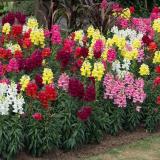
(121, 69)
(116, 66)
(126, 64)
(10, 100)
(129, 34)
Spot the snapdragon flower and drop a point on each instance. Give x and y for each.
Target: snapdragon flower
(10, 99)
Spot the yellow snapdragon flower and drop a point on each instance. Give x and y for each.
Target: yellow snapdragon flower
(32, 23)
(98, 71)
(86, 69)
(24, 82)
(90, 31)
(47, 76)
(136, 43)
(79, 35)
(104, 54)
(156, 25)
(144, 70)
(126, 13)
(37, 37)
(6, 28)
(156, 58)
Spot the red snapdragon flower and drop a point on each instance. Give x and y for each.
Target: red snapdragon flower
(17, 30)
(26, 43)
(18, 54)
(31, 90)
(76, 88)
(51, 92)
(146, 40)
(37, 116)
(152, 46)
(39, 80)
(90, 94)
(157, 69)
(156, 81)
(84, 113)
(5, 53)
(42, 96)
(46, 52)
(132, 9)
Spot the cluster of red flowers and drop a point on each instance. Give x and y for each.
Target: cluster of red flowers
(5, 53)
(32, 62)
(152, 46)
(45, 96)
(14, 17)
(84, 113)
(71, 56)
(76, 89)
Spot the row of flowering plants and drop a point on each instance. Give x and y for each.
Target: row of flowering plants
(60, 92)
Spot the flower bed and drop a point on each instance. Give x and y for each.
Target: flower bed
(63, 92)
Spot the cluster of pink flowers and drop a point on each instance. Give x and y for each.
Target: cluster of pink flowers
(13, 65)
(143, 25)
(155, 13)
(111, 55)
(56, 35)
(63, 81)
(119, 90)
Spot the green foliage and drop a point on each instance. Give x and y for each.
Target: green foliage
(11, 135)
(41, 136)
(132, 118)
(151, 112)
(75, 132)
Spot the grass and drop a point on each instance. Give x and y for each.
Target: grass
(147, 149)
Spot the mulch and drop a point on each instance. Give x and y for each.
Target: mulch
(85, 151)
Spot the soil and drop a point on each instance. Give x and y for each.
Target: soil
(85, 151)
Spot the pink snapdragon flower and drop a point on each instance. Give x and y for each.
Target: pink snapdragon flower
(56, 35)
(63, 81)
(119, 90)
(13, 65)
(111, 55)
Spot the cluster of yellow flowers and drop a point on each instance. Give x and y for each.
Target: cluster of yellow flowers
(79, 36)
(6, 28)
(98, 71)
(32, 23)
(126, 13)
(156, 58)
(144, 70)
(37, 37)
(156, 25)
(129, 55)
(47, 76)
(86, 69)
(24, 82)
(120, 42)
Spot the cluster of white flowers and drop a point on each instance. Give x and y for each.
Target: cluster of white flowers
(121, 69)
(13, 47)
(129, 34)
(10, 100)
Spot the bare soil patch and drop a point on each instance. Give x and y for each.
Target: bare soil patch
(84, 151)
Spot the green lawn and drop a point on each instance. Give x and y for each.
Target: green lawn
(147, 149)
